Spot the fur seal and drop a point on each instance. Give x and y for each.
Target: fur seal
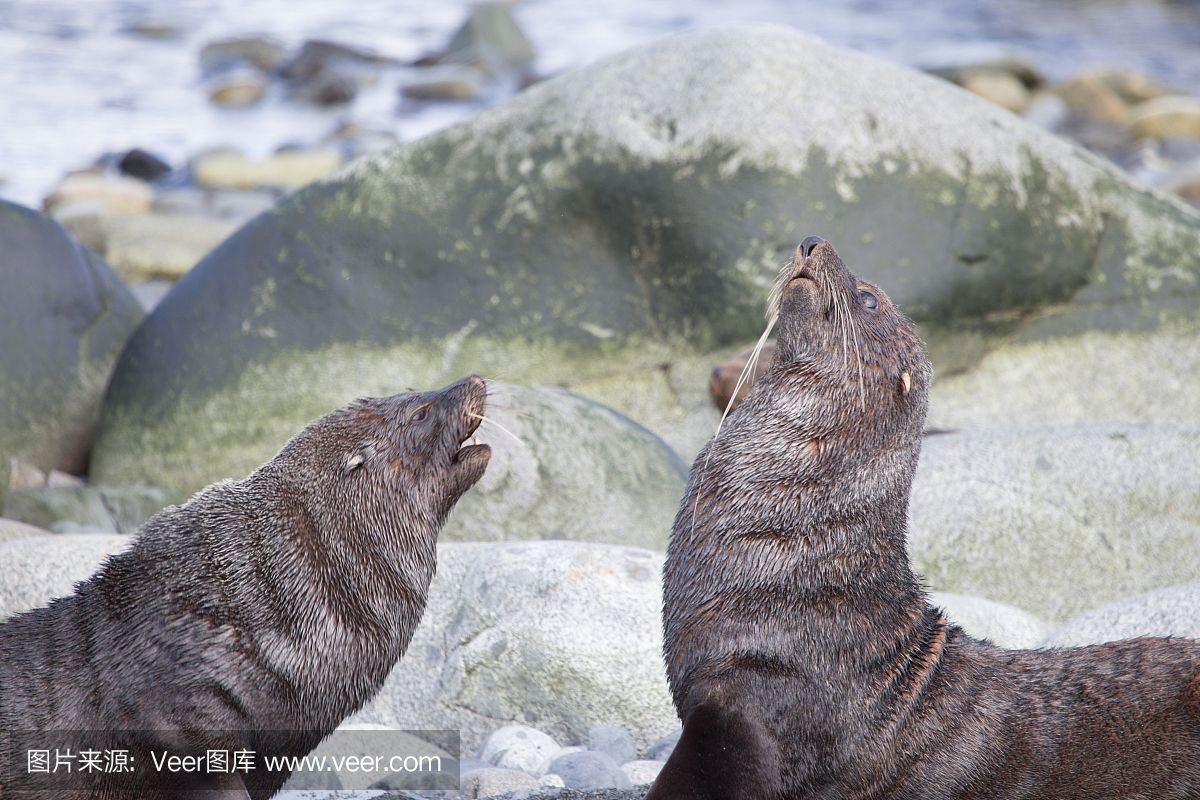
(803, 655)
(263, 611)
(723, 382)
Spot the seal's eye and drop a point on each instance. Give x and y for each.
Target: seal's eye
(868, 300)
(421, 414)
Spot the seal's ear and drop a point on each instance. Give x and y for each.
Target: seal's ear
(356, 460)
(905, 382)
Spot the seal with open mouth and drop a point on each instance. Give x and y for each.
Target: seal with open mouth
(803, 655)
(262, 612)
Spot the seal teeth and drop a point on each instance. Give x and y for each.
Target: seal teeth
(475, 440)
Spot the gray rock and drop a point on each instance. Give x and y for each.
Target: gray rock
(88, 508)
(66, 317)
(39, 569)
(589, 770)
(11, 529)
(612, 740)
(492, 781)
(490, 34)
(579, 471)
(662, 749)
(144, 247)
(548, 634)
(985, 619)
(1172, 611)
(261, 52)
(643, 771)
(520, 747)
(608, 230)
(1058, 520)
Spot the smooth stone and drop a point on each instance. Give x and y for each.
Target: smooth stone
(662, 749)
(1171, 611)
(44, 567)
(492, 781)
(66, 317)
(463, 87)
(492, 35)
(1132, 87)
(238, 89)
(286, 170)
(113, 193)
(1000, 88)
(152, 246)
(1165, 117)
(11, 529)
(142, 164)
(589, 770)
(1090, 96)
(521, 748)
(1058, 519)
(642, 772)
(89, 508)
(261, 52)
(235, 205)
(609, 229)
(612, 740)
(552, 635)
(321, 56)
(1016, 66)
(1000, 623)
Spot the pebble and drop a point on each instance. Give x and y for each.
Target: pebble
(238, 89)
(612, 740)
(642, 771)
(1000, 88)
(142, 164)
(589, 770)
(520, 747)
(1168, 116)
(262, 52)
(115, 193)
(491, 781)
(287, 170)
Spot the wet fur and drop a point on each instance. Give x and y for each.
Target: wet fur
(276, 603)
(802, 653)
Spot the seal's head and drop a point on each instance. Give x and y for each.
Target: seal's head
(393, 463)
(850, 344)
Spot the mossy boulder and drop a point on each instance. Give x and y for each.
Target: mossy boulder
(554, 635)
(1058, 520)
(611, 229)
(575, 470)
(64, 317)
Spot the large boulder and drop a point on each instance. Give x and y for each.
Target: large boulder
(1173, 611)
(37, 569)
(610, 229)
(556, 635)
(1058, 520)
(565, 467)
(65, 317)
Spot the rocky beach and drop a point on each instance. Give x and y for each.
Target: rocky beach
(593, 228)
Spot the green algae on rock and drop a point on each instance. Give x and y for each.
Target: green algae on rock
(608, 229)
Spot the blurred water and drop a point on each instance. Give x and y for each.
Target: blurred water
(74, 83)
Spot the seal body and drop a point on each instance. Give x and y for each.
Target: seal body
(802, 654)
(262, 612)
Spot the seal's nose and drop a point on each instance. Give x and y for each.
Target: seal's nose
(809, 243)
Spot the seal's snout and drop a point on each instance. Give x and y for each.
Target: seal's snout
(808, 245)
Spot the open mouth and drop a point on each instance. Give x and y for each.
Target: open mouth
(470, 441)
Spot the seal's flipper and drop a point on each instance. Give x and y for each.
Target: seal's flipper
(723, 754)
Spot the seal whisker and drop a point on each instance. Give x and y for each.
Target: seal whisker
(490, 421)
